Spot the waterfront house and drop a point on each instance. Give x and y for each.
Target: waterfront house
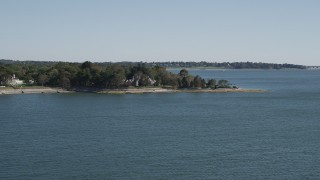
(14, 81)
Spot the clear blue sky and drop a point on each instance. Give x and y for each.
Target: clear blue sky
(277, 31)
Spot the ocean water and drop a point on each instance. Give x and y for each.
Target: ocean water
(271, 135)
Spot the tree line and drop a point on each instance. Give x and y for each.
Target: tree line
(180, 64)
(230, 65)
(99, 75)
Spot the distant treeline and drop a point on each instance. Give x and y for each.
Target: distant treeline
(229, 65)
(98, 75)
(181, 64)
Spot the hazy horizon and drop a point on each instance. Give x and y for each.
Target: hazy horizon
(147, 61)
(156, 31)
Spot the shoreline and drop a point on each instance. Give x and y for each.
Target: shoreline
(51, 90)
(164, 90)
(32, 90)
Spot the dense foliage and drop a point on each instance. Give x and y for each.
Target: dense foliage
(98, 75)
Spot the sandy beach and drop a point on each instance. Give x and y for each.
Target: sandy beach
(34, 90)
(31, 90)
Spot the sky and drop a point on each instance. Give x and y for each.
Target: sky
(273, 31)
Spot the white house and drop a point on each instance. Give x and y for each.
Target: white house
(15, 81)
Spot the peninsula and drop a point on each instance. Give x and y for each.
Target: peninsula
(63, 77)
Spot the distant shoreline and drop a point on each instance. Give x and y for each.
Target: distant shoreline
(51, 90)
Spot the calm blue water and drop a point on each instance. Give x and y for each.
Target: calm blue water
(273, 135)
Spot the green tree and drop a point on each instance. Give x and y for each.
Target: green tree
(197, 81)
(5, 75)
(186, 82)
(184, 73)
(223, 83)
(86, 65)
(113, 76)
(42, 79)
(203, 83)
(65, 82)
(212, 83)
